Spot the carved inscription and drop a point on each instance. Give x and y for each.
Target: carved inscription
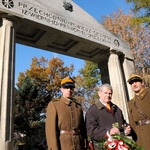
(57, 20)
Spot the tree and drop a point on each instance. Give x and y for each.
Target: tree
(136, 36)
(142, 11)
(47, 74)
(87, 80)
(28, 108)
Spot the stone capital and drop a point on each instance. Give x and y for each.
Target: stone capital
(10, 17)
(113, 51)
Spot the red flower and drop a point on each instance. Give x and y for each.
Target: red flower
(115, 144)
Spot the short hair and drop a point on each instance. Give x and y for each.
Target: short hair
(106, 85)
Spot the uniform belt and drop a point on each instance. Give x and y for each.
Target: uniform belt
(73, 132)
(142, 122)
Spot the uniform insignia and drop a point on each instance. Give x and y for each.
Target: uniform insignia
(54, 100)
(75, 101)
(68, 102)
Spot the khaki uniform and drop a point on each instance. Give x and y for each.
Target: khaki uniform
(65, 116)
(143, 131)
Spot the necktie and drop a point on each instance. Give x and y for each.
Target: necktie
(108, 106)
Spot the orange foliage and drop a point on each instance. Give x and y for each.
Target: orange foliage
(137, 36)
(47, 74)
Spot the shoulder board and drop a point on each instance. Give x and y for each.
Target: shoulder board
(55, 100)
(75, 101)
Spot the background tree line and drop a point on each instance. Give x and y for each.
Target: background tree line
(41, 82)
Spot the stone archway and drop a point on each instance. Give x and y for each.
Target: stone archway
(61, 27)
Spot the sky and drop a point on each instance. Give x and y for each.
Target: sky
(96, 8)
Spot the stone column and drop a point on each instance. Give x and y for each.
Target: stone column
(128, 69)
(117, 82)
(7, 71)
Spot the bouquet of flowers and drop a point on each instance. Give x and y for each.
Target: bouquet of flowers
(118, 142)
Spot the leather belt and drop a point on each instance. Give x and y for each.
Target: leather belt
(73, 132)
(142, 122)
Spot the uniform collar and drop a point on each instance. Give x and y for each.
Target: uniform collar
(67, 101)
(142, 94)
(140, 91)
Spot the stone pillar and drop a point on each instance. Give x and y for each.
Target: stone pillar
(128, 69)
(7, 71)
(117, 82)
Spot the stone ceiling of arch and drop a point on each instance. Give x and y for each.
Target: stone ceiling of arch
(53, 40)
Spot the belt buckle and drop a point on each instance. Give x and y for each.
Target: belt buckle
(140, 122)
(144, 122)
(137, 123)
(75, 132)
(147, 122)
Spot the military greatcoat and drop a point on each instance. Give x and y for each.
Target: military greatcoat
(67, 116)
(142, 102)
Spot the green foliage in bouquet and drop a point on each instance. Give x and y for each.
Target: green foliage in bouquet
(101, 145)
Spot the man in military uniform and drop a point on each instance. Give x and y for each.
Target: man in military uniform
(139, 109)
(65, 127)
